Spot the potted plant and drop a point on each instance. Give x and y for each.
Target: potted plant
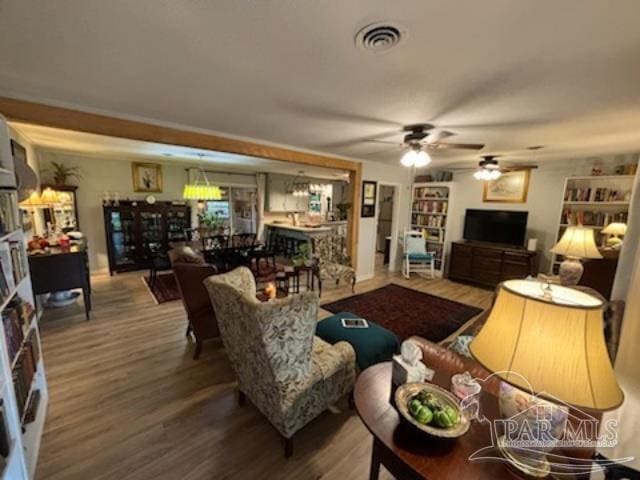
(209, 222)
(302, 257)
(61, 173)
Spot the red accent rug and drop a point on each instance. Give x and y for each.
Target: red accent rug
(165, 288)
(407, 312)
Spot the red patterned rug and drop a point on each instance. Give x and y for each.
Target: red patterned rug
(407, 312)
(165, 288)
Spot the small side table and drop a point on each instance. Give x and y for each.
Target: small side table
(308, 271)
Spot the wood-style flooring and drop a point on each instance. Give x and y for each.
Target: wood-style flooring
(127, 401)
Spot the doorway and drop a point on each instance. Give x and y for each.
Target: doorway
(385, 232)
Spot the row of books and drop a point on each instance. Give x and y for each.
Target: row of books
(429, 206)
(16, 318)
(433, 235)
(592, 218)
(24, 371)
(600, 194)
(13, 266)
(8, 209)
(428, 192)
(436, 221)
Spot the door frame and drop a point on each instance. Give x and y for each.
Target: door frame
(395, 214)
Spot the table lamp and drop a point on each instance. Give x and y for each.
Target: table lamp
(546, 344)
(615, 230)
(577, 242)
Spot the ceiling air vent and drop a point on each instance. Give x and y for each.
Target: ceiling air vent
(380, 37)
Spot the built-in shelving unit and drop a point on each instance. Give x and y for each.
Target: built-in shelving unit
(23, 385)
(594, 202)
(430, 206)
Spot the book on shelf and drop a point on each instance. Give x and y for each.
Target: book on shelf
(8, 211)
(590, 218)
(600, 194)
(16, 318)
(435, 221)
(24, 371)
(429, 206)
(431, 192)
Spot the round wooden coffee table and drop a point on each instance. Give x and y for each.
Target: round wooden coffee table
(409, 454)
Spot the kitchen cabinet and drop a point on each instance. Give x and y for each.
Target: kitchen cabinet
(278, 200)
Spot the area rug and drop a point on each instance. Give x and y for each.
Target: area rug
(165, 288)
(407, 312)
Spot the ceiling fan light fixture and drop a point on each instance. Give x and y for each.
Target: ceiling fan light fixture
(409, 158)
(422, 159)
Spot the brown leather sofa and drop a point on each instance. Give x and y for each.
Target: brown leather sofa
(190, 273)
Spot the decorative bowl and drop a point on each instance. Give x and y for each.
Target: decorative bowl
(409, 390)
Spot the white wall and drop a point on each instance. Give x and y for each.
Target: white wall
(543, 201)
(390, 174)
(100, 175)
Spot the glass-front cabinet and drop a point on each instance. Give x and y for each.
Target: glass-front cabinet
(134, 228)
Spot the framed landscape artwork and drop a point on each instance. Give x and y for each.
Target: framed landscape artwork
(147, 177)
(511, 187)
(368, 199)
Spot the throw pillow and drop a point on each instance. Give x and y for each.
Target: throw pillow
(416, 245)
(461, 345)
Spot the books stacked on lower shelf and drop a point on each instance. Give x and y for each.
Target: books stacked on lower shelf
(592, 218)
(16, 318)
(424, 220)
(24, 371)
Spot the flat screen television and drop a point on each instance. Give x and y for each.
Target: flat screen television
(496, 226)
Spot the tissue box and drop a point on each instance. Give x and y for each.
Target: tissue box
(402, 372)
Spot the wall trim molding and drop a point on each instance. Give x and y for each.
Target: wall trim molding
(70, 119)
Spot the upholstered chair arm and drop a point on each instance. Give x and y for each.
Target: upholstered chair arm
(335, 357)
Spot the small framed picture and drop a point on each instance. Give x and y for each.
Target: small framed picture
(511, 187)
(147, 177)
(354, 323)
(369, 190)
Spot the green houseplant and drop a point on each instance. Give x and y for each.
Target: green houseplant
(61, 172)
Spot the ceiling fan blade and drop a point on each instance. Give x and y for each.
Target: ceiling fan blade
(459, 146)
(377, 152)
(515, 166)
(383, 141)
(437, 136)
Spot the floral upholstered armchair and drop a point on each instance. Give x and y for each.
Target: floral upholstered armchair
(331, 261)
(288, 373)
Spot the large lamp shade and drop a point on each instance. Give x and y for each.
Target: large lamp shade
(549, 340)
(577, 242)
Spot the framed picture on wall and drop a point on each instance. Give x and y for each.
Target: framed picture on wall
(369, 190)
(511, 187)
(147, 177)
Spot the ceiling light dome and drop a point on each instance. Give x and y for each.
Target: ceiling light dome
(409, 158)
(422, 159)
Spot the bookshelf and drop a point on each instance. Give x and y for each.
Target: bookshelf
(23, 385)
(430, 206)
(593, 201)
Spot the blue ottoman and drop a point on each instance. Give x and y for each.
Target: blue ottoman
(372, 345)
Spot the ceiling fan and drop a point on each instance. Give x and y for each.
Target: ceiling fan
(421, 138)
(489, 169)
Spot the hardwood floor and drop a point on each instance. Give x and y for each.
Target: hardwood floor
(127, 401)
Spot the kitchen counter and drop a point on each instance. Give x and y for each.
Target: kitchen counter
(301, 229)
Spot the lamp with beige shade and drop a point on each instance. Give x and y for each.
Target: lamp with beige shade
(577, 242)
(551, 351)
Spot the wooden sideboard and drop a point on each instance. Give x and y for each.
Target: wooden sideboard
(489, 264)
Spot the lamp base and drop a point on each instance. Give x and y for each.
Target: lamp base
(570, 271)
(542, 470)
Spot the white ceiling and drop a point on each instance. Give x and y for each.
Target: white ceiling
(92, 146)
(507, 73)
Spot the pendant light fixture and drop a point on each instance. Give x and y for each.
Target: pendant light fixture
(201, 189)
